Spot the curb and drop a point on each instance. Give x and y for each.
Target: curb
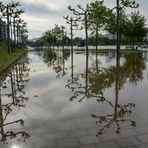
(12, 63)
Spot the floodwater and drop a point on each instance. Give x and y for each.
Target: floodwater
(57, 100)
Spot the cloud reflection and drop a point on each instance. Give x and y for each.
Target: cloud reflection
(15, 146)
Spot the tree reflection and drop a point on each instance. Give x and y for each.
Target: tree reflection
(94, 81)
(133, 67)
(56, 60)
(50, 58)
(14, 83)
(81, 86)
(119, 111)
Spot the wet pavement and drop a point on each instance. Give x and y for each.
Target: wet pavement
(56, 100)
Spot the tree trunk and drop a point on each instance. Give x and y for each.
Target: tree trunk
(14, 33)
(118, 29)
(86, 33)
(97, 38)
(8, 30)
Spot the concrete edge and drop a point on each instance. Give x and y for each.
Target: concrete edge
(12, 62)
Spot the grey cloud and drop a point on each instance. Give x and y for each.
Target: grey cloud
(38, 9)
(42, 16)
(35, 9)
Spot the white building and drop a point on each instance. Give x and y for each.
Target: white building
(110, 36)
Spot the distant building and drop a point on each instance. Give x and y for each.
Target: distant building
(145, 39)
(110, 36)
(3, 29)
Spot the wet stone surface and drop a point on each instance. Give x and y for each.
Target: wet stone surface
(49, 101)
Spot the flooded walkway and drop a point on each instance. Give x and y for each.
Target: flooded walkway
(56, 100)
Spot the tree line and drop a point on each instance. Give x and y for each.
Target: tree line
(13, 26)
(95, 18)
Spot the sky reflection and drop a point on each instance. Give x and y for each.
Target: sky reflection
(50, 112)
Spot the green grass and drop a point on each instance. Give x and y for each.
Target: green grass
(6, 58)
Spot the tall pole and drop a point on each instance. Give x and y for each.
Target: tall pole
(8, 29)
(71, 33)
(17, 36)
(86, 32)
(1, 118)
(14, 33)
(73, 26)
(0, 29)
(11, 32)
(118, 30)
(117, 58)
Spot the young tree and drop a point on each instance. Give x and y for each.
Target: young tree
(73, 26)
(135, 28)
(84, 13)
(16, 14)
(48, 38)
(119, 7)
(59, 34)
(116, 19)
(97, 17)
(10, 12)
(111, 23)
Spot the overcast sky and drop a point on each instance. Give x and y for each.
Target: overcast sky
(41, 15)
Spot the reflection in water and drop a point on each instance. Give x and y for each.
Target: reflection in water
(14, 82)
(94, 81)
(80, 85)
(56, 60)
(134, 66)
(119, 111)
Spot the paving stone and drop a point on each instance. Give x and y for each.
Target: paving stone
(89, 139)
(67, 143)
(141, 123)
(86, 146)
(47, 144)
(109, 136)
(132, 147)
(39, 143)
(143, 138)
(93, 131)
(126, 126)
(2, 146)
(107, 145)
(55, 136)
(40, 131)
(143, 146)
(142, 130)
(77, 133)
(65, 126)
(128, 133)
(85, 125)
(130, 141)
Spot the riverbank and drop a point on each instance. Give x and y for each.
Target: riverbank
(6, 59)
